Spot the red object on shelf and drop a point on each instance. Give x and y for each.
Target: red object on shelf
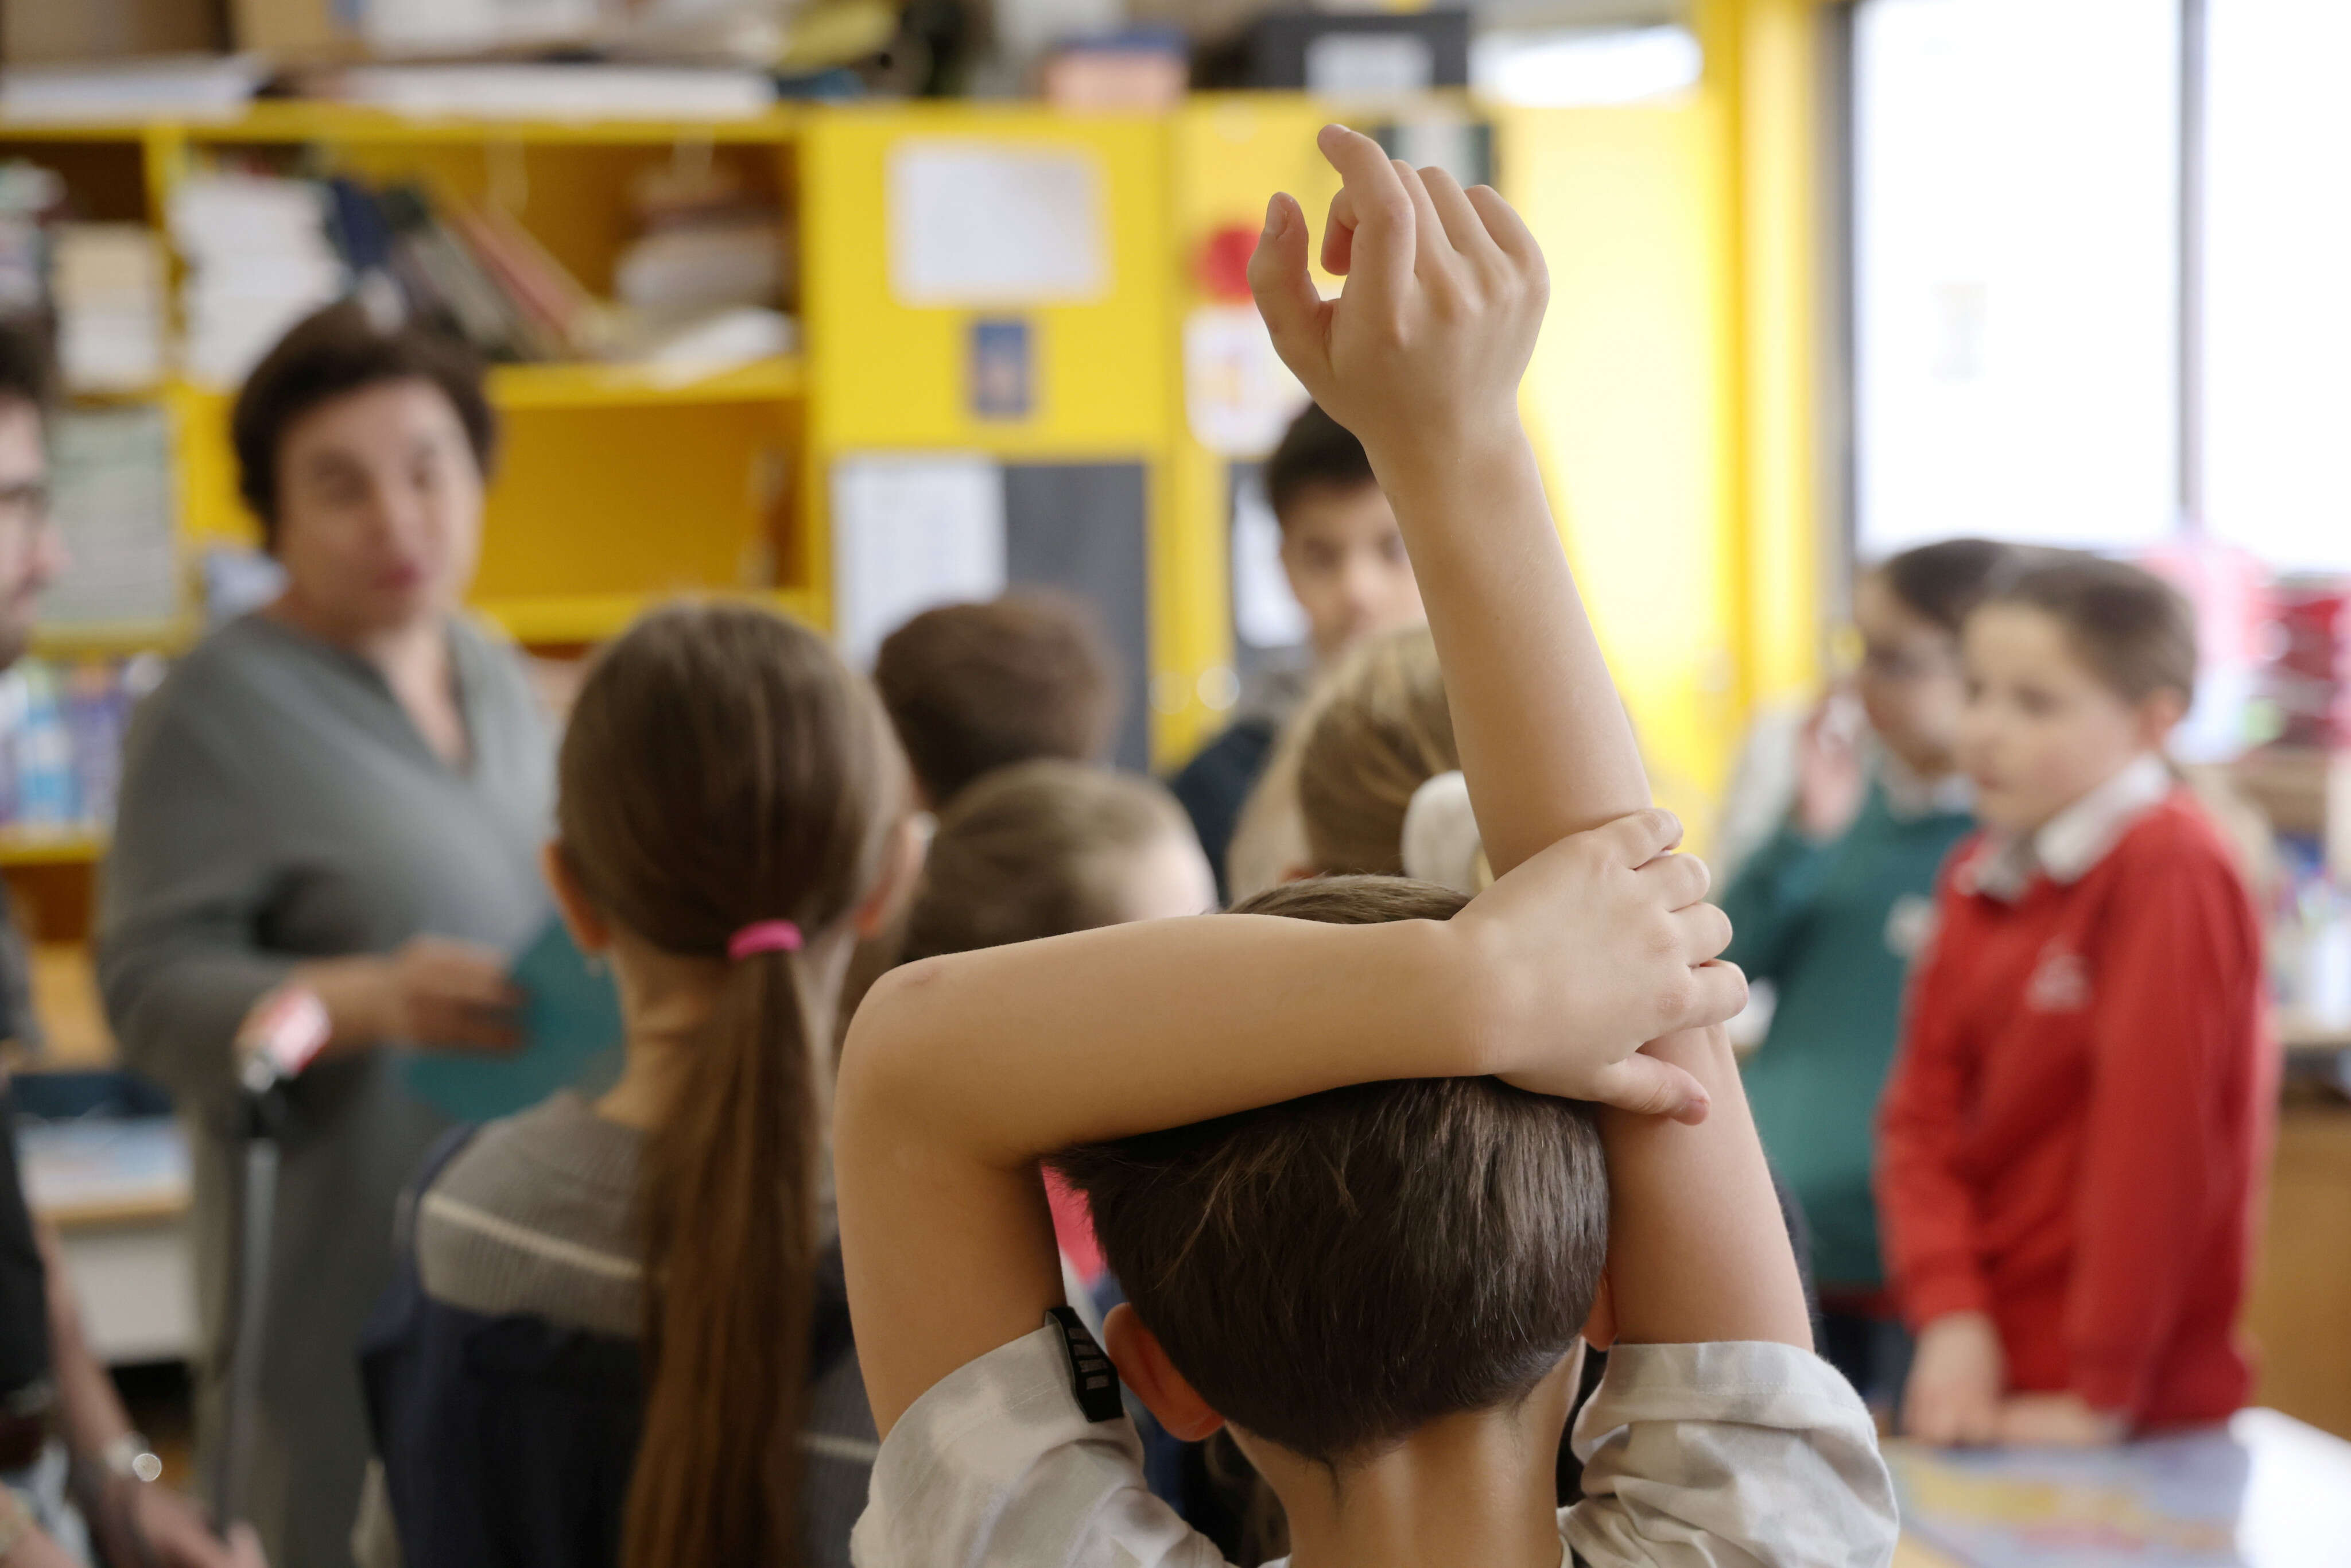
(1222, 266)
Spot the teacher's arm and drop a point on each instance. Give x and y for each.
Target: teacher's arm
(186, 883)
(181, 965)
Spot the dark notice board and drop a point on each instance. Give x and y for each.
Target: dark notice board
(1083, 527)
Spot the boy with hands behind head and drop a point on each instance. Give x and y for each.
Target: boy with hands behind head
(1335, 1135)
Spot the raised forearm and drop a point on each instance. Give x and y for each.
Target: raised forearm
(1700, 1250)
(1543, 738)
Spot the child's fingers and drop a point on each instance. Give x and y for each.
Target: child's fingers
(1381, 245)
(1339, 235)
(1720, 993)
(1464, 228)
(1641, 837)
(1704, 930)
(1508, 231)
(1433, 261)
(1647, 1087)
(1286, 297)
(1678, 881)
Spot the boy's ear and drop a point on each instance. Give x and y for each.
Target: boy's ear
(1599, 1328)
(902, 863)
(2159, 714)
(1297, 872)
(591, 932)
(1135, 1351)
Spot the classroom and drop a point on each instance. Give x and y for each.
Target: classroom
(1198, 783)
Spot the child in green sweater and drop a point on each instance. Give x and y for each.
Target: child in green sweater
(1830, 909)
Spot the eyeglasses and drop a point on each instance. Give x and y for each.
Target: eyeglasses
(1902, 665)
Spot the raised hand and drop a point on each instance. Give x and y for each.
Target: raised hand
(1601, 942)
(1422, 352)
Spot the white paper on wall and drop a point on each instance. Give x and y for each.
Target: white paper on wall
(911, 531)
(1238, 395)
(1266, 615)
(988, 224)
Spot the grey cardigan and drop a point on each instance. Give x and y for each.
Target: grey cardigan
(278, 805)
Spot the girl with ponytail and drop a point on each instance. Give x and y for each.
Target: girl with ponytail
(620, 1335)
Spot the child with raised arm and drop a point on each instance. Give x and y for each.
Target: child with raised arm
(1338, 1232)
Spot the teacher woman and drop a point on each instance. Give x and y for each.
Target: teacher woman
(343, 793)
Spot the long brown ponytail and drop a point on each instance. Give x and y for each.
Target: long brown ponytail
(722, 767)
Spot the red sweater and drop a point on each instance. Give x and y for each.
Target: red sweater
(2076, 1129)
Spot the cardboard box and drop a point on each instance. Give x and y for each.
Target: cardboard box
(67, 32)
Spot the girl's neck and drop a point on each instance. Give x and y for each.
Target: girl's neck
(666, 1002)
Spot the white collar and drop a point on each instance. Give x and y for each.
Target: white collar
(1910, 797)
(2069, 843)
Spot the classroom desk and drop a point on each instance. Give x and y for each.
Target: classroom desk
(117, 1193)
(2266, 1491)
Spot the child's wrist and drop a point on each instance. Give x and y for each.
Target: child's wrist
(1436, 461)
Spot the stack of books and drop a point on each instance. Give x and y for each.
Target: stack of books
(259, 260)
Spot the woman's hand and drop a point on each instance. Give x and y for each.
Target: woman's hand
(1598, 943)
(144, 1522)
(2057, 1421)
(1955, 1381)
(440, 994)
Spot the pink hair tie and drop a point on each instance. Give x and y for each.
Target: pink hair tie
(764, 936)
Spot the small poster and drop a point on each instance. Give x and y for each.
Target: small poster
(911, 530)
(1003, 371)
(1238, 395)
(996, 224)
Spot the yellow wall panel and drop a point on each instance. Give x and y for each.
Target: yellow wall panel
(886, 374)
(1626, 401)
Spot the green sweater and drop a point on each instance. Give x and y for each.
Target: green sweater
(1833, 927)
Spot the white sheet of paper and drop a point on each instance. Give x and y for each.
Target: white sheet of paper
(1266, 615)
(989, 224)
(111, 482)
(1238, 395)
(910, 531)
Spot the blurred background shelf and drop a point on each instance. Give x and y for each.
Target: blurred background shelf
(21, 846)
(591, 618)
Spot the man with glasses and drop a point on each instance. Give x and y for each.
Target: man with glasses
(51, 1387)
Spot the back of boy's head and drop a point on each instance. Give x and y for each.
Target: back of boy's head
(2133, 631)
(1035, 850)
(1942, 582)
(1334, 1273)
(1377, 733)
(974, 688)
(721, 768)
(1315, 451)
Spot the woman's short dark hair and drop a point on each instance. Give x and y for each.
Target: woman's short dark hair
(329, 354)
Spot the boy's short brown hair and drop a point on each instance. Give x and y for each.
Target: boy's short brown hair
(1334, 1272)
(973, 687)
(1315, 453)
(2133, 631)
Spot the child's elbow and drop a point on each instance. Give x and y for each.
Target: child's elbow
(877, 1067)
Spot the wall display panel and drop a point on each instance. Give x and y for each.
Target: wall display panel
(2016, 304)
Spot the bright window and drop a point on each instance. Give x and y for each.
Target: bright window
(2016, 280)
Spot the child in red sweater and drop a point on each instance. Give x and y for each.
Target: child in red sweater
(2073, 1140)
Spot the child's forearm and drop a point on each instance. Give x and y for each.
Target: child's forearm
(1699, 1250)
(1003, 1054)
(1543, 738)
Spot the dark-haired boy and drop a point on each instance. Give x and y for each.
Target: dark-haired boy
(1407, 1246)
(1347, 566)
(977, 687)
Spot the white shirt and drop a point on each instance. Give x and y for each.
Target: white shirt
(2076, 839)
(1695, 1456)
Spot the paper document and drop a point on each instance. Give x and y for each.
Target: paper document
(993, 223)
(571, 1036)
(910, 532)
